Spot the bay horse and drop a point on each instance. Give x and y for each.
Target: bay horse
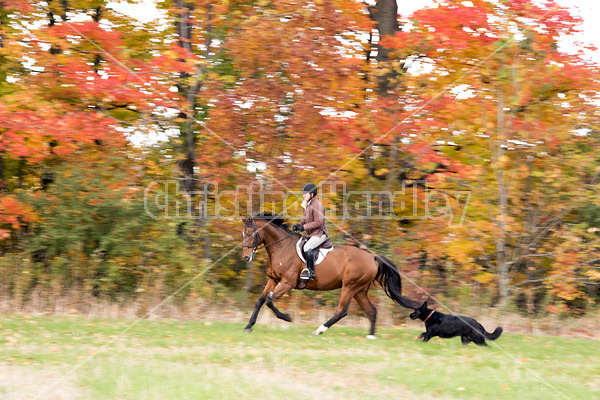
(346, 267)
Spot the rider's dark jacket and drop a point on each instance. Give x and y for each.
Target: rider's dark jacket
(314, 218)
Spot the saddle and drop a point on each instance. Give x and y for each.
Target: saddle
(319, 252)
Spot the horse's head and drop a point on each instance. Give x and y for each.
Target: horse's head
(251, 238)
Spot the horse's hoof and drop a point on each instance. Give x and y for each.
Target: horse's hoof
(320, 330)
(248, 330)
(286, 317)
(371, 337)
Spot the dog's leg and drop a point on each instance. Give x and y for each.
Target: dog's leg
(479, 340)
(465, 340)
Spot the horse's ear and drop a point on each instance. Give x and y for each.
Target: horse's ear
(424, 305)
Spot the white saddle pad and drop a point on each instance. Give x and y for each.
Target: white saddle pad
(320, 256)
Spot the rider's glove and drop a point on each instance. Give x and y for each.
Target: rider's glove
(298, 227)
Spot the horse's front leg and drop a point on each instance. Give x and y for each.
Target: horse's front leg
(259, 303)
(280, 289)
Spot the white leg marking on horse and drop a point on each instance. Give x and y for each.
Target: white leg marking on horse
(372, 337)
(321, 329)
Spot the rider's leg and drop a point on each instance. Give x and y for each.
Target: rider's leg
(308, 248)
(310, 263)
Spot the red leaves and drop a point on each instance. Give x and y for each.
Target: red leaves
(44, 133)
(176, 58)
(22, 6)
(454, 27)
(13, 214)
(88, 35)
(457, 27)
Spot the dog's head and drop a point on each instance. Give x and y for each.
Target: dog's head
(419, 311)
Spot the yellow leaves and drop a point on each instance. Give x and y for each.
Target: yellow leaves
(461, 250)
(503, 161)
(537, 174)
(567, 291)
(171, 54)
(593, 275)
(485, 277)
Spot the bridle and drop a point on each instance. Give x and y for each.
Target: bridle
(255, 237)
(255, 246)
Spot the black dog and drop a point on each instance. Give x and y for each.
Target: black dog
(449, 326)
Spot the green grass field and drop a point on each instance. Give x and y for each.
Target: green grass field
(216, 360)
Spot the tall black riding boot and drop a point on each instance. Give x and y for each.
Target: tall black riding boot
(310, 263)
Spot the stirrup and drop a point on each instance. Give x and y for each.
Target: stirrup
(305, 274)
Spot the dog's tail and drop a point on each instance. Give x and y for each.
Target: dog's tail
(388, 277)
(494, 335)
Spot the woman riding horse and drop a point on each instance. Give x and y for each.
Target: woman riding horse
(346, 267)
(314, 224)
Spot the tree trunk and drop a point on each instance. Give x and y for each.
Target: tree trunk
(184, 31)
(21, 172)
(385, 14)
(203, 224)
(1, 172)
(529, 293)
(502, 266)
(183, 25)
(1, 30)
(190, 86)
(392, 168)
(97, 16)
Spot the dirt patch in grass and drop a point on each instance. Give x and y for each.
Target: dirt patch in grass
(24, 383)
(328, 386)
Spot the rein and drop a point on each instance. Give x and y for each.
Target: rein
(255, 246)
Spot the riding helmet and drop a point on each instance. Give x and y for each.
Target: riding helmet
(310, 188)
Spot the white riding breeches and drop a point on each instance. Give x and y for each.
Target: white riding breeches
(313, 242)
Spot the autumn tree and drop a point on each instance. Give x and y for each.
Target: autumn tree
(70, 187)
(43, 111)
(516, 115)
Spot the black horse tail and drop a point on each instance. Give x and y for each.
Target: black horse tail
(494, 335)
(388, 277)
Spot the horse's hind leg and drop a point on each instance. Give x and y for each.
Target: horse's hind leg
(363, 300)
(340, 312)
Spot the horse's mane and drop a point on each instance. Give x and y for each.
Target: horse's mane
(275, 219)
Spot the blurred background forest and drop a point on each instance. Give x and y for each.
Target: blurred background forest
(98, 109)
